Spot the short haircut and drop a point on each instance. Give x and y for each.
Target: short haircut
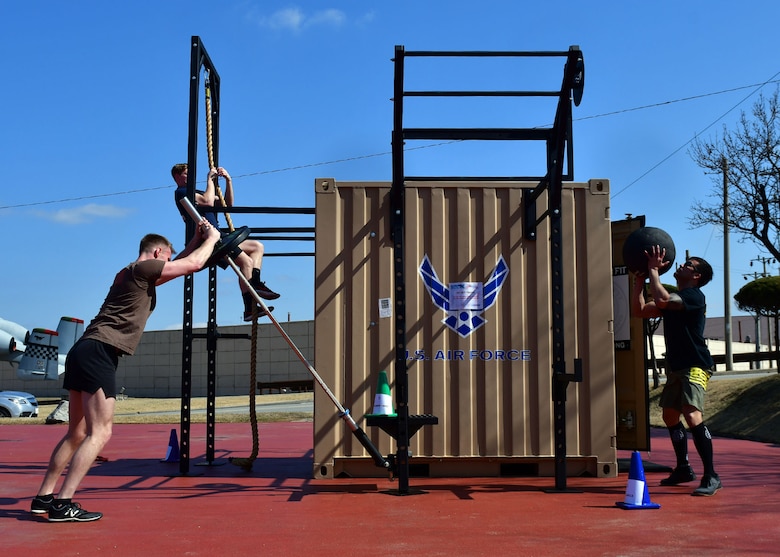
(704, 269)
(152, 241)
(178, 169)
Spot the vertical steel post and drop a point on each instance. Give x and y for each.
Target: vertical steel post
(186, 350)
(556, 152)
(198, 59)
(397, 198)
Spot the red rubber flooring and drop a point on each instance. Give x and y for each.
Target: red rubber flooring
(277, 509)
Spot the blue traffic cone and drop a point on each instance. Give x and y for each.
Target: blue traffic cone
(173, 448)
(637, 494)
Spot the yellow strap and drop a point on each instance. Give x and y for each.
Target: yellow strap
(700, 377)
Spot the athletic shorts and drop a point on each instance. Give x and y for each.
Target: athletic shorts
(685, 388)
(90, 366)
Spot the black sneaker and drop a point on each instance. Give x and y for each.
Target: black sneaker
(709, 486)
(72, 513)
(680, 475)
(260, 313)
(263, 291)
(41, 504)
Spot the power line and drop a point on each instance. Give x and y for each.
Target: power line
(758, 86)
(684, 99)
(235, 177)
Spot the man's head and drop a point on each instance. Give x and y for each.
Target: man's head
(697, 269)
(156, 246)
(179, 173)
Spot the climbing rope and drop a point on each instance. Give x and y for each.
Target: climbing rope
(246, 463)
(210, 146)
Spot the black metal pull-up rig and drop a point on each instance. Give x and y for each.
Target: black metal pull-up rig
(200, 61)
(559, 150)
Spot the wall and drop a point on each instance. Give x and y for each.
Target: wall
(155, 369)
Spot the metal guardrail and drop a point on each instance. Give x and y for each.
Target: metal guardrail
(740, 358)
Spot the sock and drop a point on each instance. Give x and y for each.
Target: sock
(703, 441)
(45, 498)
(680, 443)
(255, 280)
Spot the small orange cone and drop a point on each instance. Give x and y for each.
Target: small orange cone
(173, 448)
(637, 494)
(383, 401)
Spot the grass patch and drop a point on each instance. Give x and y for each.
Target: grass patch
(738, 408)
(168, 410)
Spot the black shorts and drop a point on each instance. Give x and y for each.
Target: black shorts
(90, 366)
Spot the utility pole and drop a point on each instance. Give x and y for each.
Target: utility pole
(756, 276)
(764, 261)
(757, 318)
(726, 267)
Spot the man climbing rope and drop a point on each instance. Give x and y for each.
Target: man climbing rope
(251, 259)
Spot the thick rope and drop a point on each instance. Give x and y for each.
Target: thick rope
(212, 163)
(246, 463)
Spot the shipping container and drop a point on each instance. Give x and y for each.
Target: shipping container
(478, 327)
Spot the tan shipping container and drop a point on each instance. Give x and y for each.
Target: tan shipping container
(488, 378)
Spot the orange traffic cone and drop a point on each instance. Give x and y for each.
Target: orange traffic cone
(383, 401)
(637, 494)
(173, 448)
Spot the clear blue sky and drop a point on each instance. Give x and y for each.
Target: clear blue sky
(95, 99)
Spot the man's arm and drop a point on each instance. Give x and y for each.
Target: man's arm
(639, 306)
(194, 256)
(661, 296)
(228, 193)
(208, 198)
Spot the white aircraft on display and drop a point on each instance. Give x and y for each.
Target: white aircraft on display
(38, 354)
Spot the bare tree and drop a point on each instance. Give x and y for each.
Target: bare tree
(751, 155)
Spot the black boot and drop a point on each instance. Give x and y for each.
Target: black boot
(262, 290)
(249, 306)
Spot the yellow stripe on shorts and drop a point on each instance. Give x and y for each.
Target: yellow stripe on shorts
(699, 377)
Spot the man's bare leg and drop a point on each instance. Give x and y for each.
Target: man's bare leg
(98, 416)
(63, 452)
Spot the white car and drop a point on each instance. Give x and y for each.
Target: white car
(16, 404)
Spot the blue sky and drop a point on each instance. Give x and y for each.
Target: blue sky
(95, 102)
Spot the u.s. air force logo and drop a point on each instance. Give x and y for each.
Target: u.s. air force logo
(464, 302)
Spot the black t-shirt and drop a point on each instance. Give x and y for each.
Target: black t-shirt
(684, 333)
(210, 216)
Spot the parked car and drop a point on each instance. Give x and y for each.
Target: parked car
(16, 404)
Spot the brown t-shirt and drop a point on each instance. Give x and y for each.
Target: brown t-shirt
(128, 305)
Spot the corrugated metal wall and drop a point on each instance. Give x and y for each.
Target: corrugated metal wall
(491, 388)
